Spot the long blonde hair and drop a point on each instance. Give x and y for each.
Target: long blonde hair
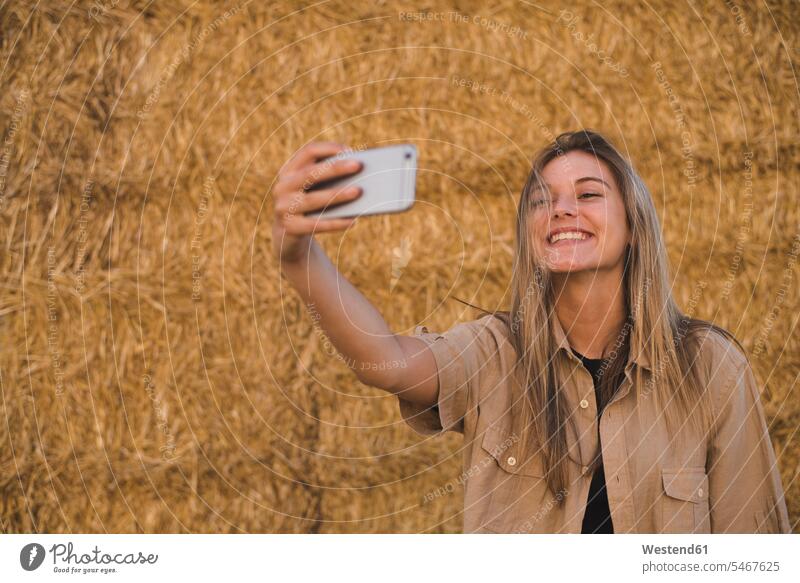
(655, 326)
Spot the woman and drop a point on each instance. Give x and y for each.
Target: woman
(594, 405)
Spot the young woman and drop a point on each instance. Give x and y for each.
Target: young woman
(594, 404)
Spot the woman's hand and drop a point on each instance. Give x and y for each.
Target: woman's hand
(291, 231)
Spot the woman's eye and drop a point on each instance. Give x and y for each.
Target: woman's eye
(588, 194)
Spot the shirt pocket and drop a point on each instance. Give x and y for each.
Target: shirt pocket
(684, 505)
(516, 487)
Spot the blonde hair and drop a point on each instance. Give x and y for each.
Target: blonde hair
(655, 326)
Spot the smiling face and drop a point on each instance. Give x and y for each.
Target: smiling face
(579, 222)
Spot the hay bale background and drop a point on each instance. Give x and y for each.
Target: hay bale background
(140, 142)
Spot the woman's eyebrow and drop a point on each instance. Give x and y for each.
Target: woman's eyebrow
(590, 179)
(578, 181)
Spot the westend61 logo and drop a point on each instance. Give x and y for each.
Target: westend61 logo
(65, 560)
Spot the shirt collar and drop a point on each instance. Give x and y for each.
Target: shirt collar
(638, 357)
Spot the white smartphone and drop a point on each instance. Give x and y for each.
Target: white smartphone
(387, 180)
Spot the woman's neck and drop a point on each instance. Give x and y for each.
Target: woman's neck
(590, 306)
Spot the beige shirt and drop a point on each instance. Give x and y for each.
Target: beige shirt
(726, 481)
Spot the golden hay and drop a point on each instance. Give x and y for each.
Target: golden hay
(157, 373)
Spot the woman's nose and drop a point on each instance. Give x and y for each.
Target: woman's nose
(563, 207)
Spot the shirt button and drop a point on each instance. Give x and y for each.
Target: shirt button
(585, 469)
(512, 461)
(700, 492)
(584, 404)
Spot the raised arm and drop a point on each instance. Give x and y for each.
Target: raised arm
(398, 364)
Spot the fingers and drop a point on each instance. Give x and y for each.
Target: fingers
(327, 170)
(305, 202)
(310, 153)
(300, 225)
(308, 176)
(302, 172)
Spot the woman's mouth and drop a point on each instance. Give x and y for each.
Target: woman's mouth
(566, 238)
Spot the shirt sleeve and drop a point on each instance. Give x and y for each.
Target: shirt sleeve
(746, 494)
(463, 357)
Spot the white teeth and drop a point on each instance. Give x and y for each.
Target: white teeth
(568, 235)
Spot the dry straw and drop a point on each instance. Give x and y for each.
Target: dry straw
(157, 373)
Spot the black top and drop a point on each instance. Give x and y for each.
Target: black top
(597, 519)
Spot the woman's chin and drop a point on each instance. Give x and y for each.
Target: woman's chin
(566, 261)
(566, 266)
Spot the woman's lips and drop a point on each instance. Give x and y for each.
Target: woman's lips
(565, 242)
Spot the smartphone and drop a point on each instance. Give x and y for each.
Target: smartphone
(387, 180)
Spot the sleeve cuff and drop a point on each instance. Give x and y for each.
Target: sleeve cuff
(440, 417)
